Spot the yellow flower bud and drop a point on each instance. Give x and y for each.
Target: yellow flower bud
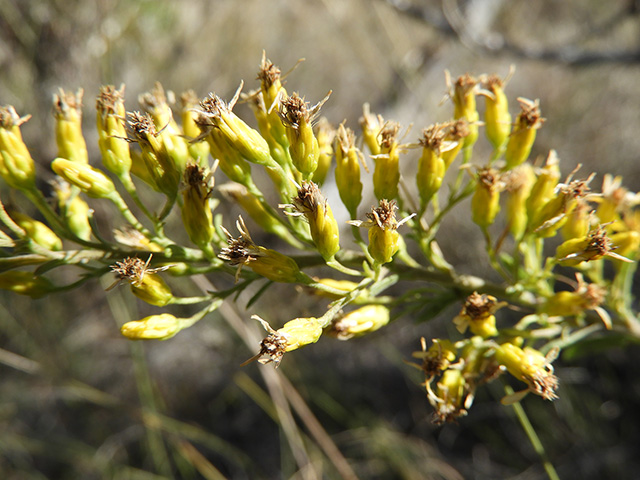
(88, 179)
(544, 186)
(325, 134)
(132, 238)
(294, 334)
(485, 203)
(300, 332)
(67, 110)
(531, 367)
(197, 216)
(272, 91)
(16, 165)
(37, 231)
(345, 286)
(567, 304)
(615, 200)
(348, 159)
(627, 243)
(456, 133)
(497, 119)
(264, 261)
(371, 126)
(156, 104)
(229, 159)
(247, 141)
(112, 133)
(164, 171)
(322, 224)
(272, 131)
(518, 184)
(199, 150)
(298, 118)
(154, 327)
(578, 221)
(74, 209)
(77, 214)
(431, 166)
(25, 283)
(384, 240)
(386, 174)
(275, 266)
(547, 220)
(528, 121)
(145, 284)
(463, 95)
(359, 322)
(383, 243)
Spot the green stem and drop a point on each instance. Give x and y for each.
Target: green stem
(533, 436)
(130, 187)
(333, 263)
(188, 322)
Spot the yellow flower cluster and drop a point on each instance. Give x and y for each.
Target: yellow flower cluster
(171, 151)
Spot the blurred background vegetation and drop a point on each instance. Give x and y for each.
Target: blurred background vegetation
(77, 400)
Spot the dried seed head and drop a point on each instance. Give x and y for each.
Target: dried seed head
(437, 358)
(144, 284)
(529, 116)
(295, 112)
(9, 117)
(389, 134)
(110, 101)
(133, 270)
(384, 215)
(263, 261)
(478, 306)
(458, 129)
(434, 136)
(156, 102)
(141, 127)
(308, 200)
(477, 314)
(241, 250)
(67, 104)
(322, 224)
(268, 74)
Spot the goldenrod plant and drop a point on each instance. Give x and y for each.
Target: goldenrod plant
(560, 256)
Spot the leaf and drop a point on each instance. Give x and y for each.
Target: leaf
(45, 267)
(259, 293)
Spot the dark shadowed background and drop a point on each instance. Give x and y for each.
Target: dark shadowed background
(78, 401)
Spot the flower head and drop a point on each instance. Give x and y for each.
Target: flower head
(323, 226)
(591, 247)
(264, 261)
(144, 283)
(477, 314)
(531, 367)
(294, 334)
